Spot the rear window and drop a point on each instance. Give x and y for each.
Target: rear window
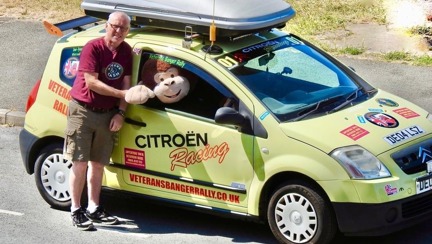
(69, 62)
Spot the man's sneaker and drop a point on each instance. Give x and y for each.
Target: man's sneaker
(80, 220)
(101, 216)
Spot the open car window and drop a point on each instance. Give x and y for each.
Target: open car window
(204, 96)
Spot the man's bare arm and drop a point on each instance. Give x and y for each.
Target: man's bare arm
(99, 87)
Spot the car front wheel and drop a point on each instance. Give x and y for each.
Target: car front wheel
(297, 213)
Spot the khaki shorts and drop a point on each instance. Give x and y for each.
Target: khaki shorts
(88, 137)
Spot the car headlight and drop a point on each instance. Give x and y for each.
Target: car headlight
(429, 117)
(359, 163)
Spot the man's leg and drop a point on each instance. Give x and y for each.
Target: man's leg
(101, 149)
(77, 180)
(94, 184)
(95, 212)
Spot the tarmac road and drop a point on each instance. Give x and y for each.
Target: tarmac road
(25, 48)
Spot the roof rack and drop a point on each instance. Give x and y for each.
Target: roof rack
(232, 18)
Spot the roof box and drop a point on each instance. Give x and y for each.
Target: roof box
(231, 17)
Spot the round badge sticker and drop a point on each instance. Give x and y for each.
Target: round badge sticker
(114, 71)
(387, 102)
(70, 67)
(381, 119)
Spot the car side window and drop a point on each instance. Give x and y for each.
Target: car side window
(205, 95)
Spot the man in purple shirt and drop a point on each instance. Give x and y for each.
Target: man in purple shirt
(96, 113)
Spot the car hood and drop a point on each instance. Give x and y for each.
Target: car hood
(378, 124)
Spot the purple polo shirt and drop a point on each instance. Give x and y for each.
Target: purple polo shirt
(111, 66)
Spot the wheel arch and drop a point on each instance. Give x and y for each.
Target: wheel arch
(282, 178)
(39, 146)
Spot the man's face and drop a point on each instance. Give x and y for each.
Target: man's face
(117, 29)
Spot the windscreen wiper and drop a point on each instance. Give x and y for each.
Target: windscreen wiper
(313, 108)
(353, 96)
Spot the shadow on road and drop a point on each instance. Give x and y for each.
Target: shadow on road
(148, 217)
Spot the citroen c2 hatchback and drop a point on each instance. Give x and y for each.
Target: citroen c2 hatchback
(272, 128)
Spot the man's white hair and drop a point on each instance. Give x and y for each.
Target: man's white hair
(119, 13)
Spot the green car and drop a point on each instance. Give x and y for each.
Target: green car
(271, 128)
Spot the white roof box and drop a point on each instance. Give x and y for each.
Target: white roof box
(232, 17)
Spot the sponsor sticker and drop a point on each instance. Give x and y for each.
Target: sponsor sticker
(70, 67)
(387, 102)
(377, 110)
(403, 135)
(381, 119)
(406, 113)
(134, 158)
(137, 51)
(354, 132)
(390, 190)
(264, 115)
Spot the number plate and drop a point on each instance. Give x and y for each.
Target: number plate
(424, 183)
(429, 166)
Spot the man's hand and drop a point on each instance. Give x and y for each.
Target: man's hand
(116, 122)
(139, 94)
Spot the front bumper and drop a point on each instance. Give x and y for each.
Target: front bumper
(359, 219)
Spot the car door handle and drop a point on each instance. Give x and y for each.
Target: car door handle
(134, 122)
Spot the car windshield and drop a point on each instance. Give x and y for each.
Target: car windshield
(293, 80)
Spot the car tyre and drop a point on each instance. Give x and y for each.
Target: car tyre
(297, 213)
(52, 177)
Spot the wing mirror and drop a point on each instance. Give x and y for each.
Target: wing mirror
(228, 115)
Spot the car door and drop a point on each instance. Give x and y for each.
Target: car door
(177, 151)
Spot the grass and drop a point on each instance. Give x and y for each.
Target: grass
(396, 56)
(352, 50)
(53, 10)
(420, 30)
(317, 17)
(424, 60)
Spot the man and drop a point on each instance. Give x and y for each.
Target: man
(96, 113)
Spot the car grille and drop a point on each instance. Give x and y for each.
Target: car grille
(413, 159)
(416, 207)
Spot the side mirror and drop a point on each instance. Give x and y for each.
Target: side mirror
(228, 115)
(265, 59)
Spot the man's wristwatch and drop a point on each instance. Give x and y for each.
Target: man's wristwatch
(122, 113)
